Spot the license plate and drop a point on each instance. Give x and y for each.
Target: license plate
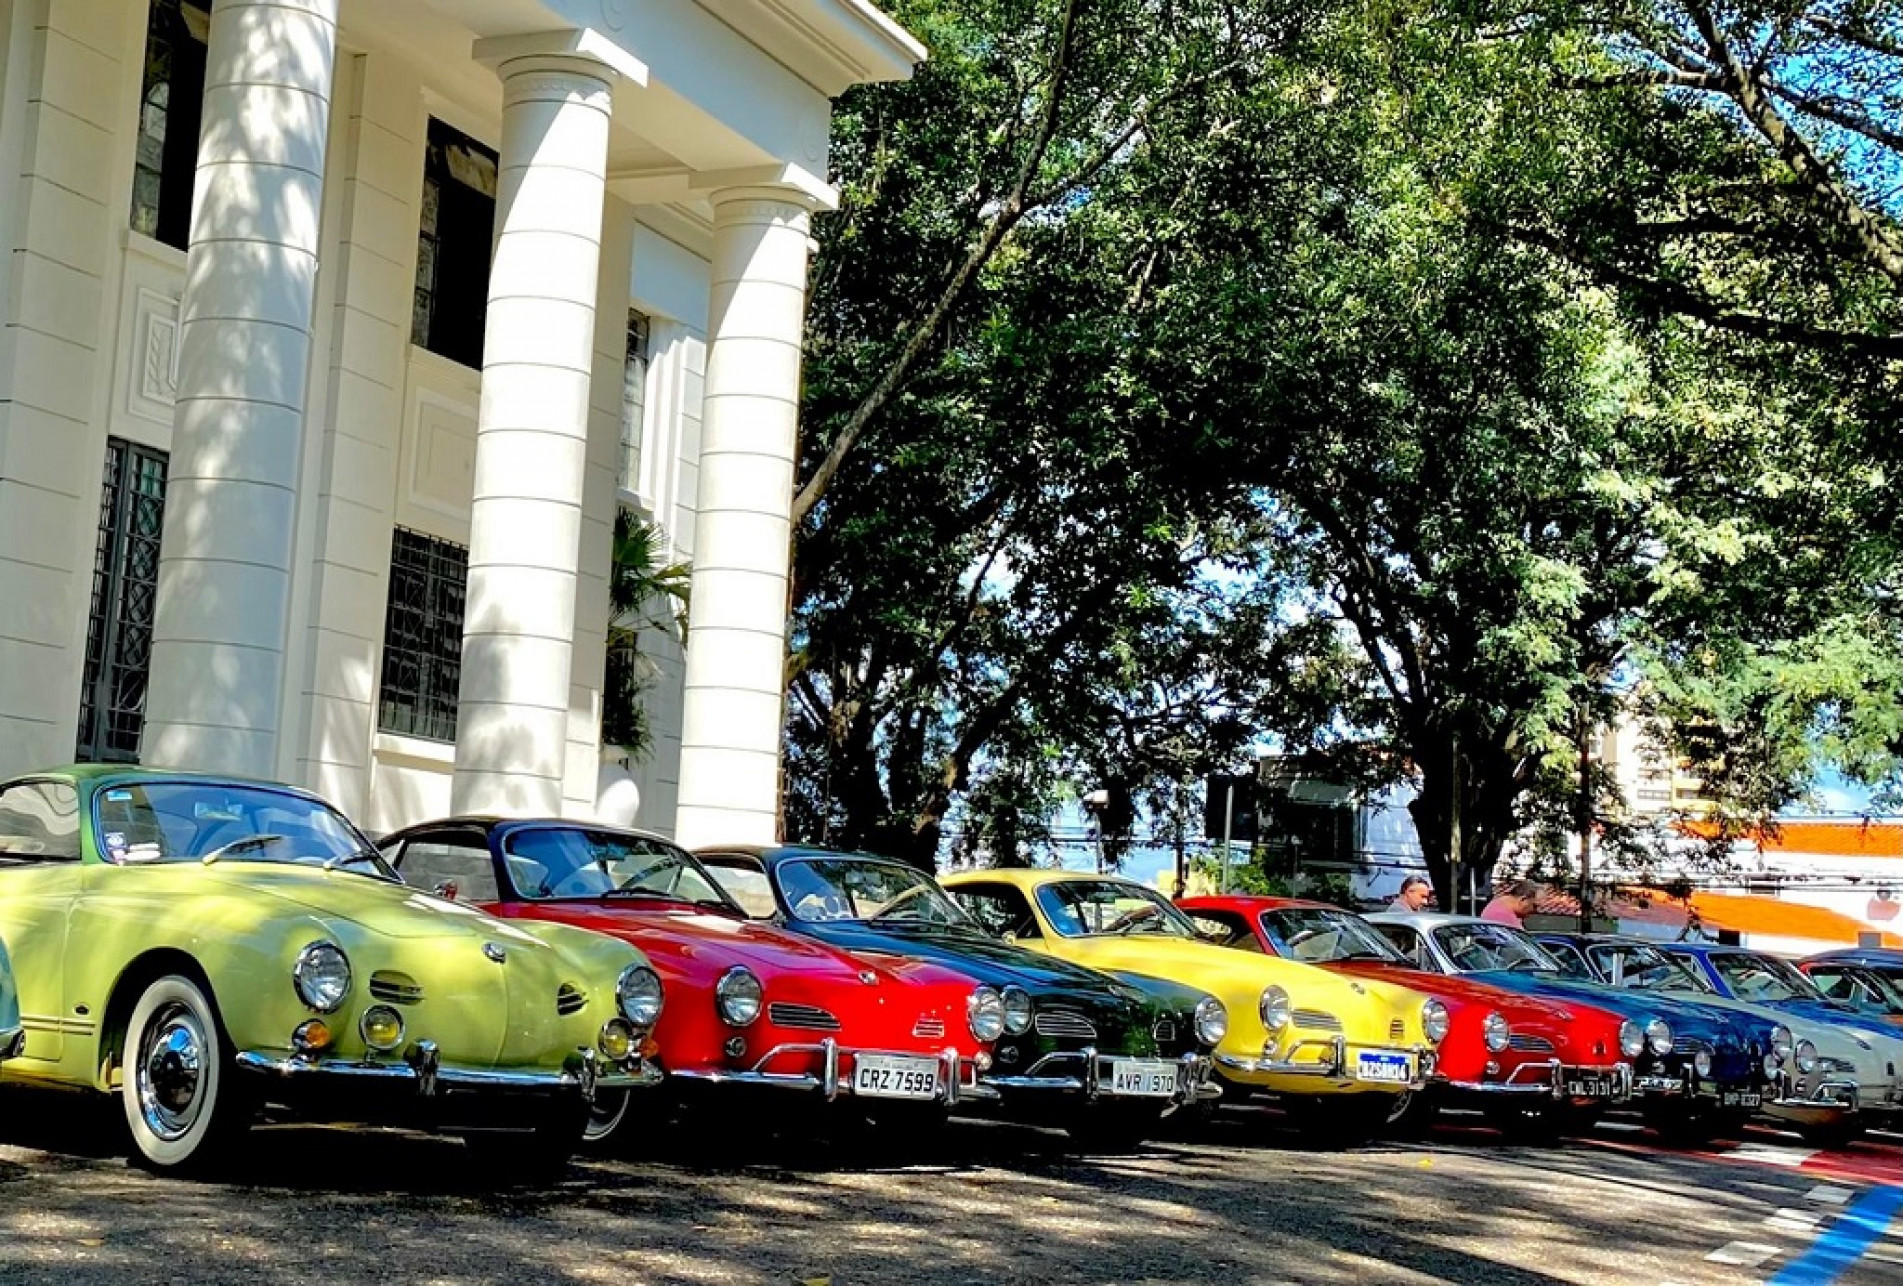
(1140, 1079)
(1589, 1086)
(884, 1076)
(1396, 1068)
(1739, 1098)
(1659, 1084)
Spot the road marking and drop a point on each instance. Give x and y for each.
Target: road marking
(1741, 1254)
(1845, 1242)
(1790, 1219)
(1830, 1194)
(1770, 1154)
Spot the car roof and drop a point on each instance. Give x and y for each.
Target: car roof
(1424, 919)
(1253, 902)
(492, 821)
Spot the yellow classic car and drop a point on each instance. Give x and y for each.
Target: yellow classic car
(1339, 1049)
(211, 950)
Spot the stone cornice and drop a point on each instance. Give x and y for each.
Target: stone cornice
(830, 44)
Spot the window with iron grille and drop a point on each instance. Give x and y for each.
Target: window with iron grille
(170, 104)
(124, 595)
(423, 636)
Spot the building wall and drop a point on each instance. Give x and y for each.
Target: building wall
(88, 349)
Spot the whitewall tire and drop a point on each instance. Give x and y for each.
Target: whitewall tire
(176, 1083)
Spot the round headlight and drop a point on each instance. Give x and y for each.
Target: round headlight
(1212, 1021)
(737, 996)
(638, 995)
(1631, 1039)
(1275, 1007)
(1497, 1032)
(1781, 1041)
(984, 1014)
(616, 1039)
(1806, 1057)
(1658, 1034)
(1772, 1064)
(1434, 1021)
(1701, 1062)
(322, 976)
(381, 1027)
(1017, 1010)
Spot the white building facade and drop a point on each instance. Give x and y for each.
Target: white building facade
(334, 336)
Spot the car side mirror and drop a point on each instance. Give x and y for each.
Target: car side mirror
(447, 889)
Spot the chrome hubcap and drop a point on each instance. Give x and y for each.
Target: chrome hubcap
(171, 1072)
(605, 1113)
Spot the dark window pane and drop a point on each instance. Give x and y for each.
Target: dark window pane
(423, 636)
(124, 598)
(454, 243)
(170, 105)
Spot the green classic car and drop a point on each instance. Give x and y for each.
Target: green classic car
(211, 949)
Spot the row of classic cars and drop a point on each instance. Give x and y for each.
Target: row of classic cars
(213, 951)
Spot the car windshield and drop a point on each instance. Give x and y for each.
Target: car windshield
(863, 888)
(1649, 969)
(744, 880)
(211, 821)
(1319, 935)
(1865, 988)
(1571, 961)
(1094, 908)
(1482, 946)
(1756, 977)
(560, 862)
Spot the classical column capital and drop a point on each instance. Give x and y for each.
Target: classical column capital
(570, 51)
(788, 184)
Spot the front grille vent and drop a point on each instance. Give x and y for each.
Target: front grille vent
(1164, 1031)
(396, 988)
(929, 1027)
(1529, 1044)
(1397, 1031)
(569, 999)
(810, 1017)
(1688, 1045)
(1316, 1020)
(1065, 1024)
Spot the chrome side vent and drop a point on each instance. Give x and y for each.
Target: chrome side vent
(1063, 1023)
(1397, 1031)
(396, 988)
(809, 1017)
(1316, 1020)
(1164, 1031)
(929, 1027)
(570, 999)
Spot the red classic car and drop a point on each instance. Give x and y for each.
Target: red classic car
(1532, 1065)
(749, 1004)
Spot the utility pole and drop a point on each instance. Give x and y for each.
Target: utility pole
(1228, 828)
(1583, 819)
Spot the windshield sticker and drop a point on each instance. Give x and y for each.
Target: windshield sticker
(118, 796)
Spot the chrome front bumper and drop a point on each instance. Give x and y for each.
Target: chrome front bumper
(1547, 1080)
(1091, 1076)
(584, 1072)
(12, 1043)
(1334, 1064)
(1830, 1097)
(958, 1078)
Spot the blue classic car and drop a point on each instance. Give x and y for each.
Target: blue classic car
(1072, 1040)
(12, 1034)
(1871, 978)
(1698, 1070)
(1743, 974)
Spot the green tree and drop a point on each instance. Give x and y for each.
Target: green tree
(646, 594)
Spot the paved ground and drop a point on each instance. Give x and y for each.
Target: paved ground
(1238, 1201)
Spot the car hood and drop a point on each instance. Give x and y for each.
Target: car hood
(1523, 1010)
(1872, 1055)
(1686, 1017)
(378, 906)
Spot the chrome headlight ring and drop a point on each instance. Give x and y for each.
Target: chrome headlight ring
(984, 1014)
(1275, 1009)
(1781, 1043)
(1631, 1039)
(1701, 1063)
(738, 996)
(1212, 1021)
(1658, 1035)
(1435, 1021)
(638, 995)
(1806, 1057)
(1017, 1010)
(321, 976)
(1496, 1031)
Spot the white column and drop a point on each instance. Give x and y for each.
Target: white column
(736, 640)
(244, 349)
(532, 437)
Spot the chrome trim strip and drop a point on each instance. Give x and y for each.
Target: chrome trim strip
(958, 1077)
(430, 1076)
(1092, 1075)
(12, 1043)
(1334, 1066)
(1552, 1084)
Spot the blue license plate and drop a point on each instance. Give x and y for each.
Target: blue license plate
(1394, 1068)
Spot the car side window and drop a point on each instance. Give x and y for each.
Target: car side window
(457, 867)
(39, 822)
(1839, 985)
(1410, 945)
(1225, 927)
(1000, 910)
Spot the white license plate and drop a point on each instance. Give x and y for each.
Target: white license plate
(1142, 1079)
(1384, 1067)
(884, 1076)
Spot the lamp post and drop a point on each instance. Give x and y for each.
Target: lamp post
(1095, 803)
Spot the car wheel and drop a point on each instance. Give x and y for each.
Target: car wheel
(1412, 1113)
(605, 1116)
(177, 1085)
(1112, 1127)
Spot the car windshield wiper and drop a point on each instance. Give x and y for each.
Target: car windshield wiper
(351, 859)
(1365, 955)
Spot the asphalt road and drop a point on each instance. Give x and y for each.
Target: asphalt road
(1238, 1200)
